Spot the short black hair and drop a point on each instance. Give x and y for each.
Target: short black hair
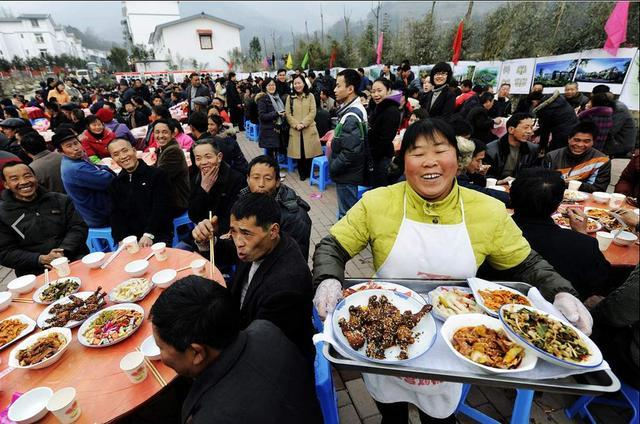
(231, 75)
(33, 143)
(361, 70)
(602, 99)
(586, 127)
(196, 310)
(515, 119)
(351, 78)
(161, 111)
(11, 164)
(281, 70)
(485, 97)
(198, 120)
(266, 82)
(466, 83)
(387, 84)
(120, 139)
(480, 146)
(460, 126)
(215, 118)
(538, 83)
(265, 160)
(92, 118)
(537, 192)
(171, 123)
(428, 128)
(262, 206)
(478, 89)
(25, 130)
(420, 113)
(52, 105)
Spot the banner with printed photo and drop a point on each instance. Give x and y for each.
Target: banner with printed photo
(554, 72)
(630, 94)
(425, 71)
(599, 67)
(463, 70)
(487, 73)
(518, 73)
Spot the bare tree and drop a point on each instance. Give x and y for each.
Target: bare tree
(306, 29)
(433, 7)
(376, 13)
(293, 40)
(467, 17)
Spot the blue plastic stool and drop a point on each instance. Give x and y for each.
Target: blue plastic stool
(287, 162)
(520, 413)
(322, 164)
(581, 406)
(362, 190)
(325, 391)
(179, 222)
(252, 131)
(100, 240)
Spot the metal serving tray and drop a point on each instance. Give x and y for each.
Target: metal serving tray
(592, 383)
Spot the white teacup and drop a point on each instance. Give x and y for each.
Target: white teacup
(604, 240)
(198, 267)
(160, 251)
(131, 244)
(64, 406)
(133, 365)
(61, 265)
(574, 185)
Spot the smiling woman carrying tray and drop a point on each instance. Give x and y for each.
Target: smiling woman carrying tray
(429, 227)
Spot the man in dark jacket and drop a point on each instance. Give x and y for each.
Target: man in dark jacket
(171, 159)
(142, 90)
(273, 280)
(535, 195)
(234, 102)
(623, 135)
(45, 164)
(574, 97)
(6, 157)
(140, 198)
(196, 89)
(282, 86)
(513, 152)
(502, 105)
(347, 162)
(9, 128)
(579, 161)
(126, 92)
(556, 117)
(36, 226)
(253, 375)
(480, 121)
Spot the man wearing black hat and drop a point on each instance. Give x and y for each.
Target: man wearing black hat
(9, 128)
(85, 183)
(623, 134)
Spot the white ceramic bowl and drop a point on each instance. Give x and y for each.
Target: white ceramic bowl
(23, 284)
(150, 348)
(13, 360)
(31, 406)
(5, 300)
(625, 238)
(94, 260)
(164, 278)
(136, 268)
(601, 196)
(456, 322)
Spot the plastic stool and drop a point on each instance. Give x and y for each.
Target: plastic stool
(362, 190)
(100, 240)
(287, 162)
(252, 131)
(325, 391)
(179, 222)
(520, 413)
(322, 164)
(581, 406)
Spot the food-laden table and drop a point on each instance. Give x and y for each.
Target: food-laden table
(103, 391)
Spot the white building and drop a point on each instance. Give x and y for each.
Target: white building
(140, 18)
(202, 38)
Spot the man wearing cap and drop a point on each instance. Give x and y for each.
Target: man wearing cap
(85, 183)
(68, 108)
(56, 116)
(623, 134)
(105, 115)
(9, 127)
(126, 92)
(36, 226)
(196, 89)
(200, 104)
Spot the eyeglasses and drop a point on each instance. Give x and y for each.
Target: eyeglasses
(441, 74)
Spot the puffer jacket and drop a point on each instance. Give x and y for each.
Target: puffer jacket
(556, 118)
(268, 137)
(498, 151)
(31, 229)
(346, 165)
(383, 126)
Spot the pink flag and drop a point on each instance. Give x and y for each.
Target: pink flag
(265, 64)
(379, 49)
(616, 27)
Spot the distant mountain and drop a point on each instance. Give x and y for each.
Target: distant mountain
(91, 40)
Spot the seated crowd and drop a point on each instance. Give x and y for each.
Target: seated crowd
(247, 349)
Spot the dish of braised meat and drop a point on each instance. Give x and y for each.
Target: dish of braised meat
(44, 348)
(75, 309)
(381, 325)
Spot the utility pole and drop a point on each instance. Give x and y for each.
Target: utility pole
(293, 39)
(306, 29)
(376, 13)
(433, 7)
(467, 17)
(322, 26)
(273, 38)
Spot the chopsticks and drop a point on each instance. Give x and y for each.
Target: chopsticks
(148, 256)
(211, 257)
(112, 257)
(21, 300)
(154, 370)
(184, 268)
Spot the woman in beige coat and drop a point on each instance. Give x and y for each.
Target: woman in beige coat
(304, 141)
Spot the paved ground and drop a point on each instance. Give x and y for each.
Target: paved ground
(355, 404)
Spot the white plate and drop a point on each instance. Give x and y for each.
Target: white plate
(115, 299)
(574, 196)
(456, 322)
(568, 227)
(478, 284)
(13, 360)
(31, 325)
(442, 313)
(83, 340)
(382, 285)
(426, 327)
(46, 315)
(36, 295)
(594, 360)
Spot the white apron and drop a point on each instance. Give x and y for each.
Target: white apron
(425, 251)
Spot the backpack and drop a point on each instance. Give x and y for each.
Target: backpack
(363, 128)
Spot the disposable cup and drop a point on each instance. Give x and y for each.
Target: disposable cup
(131, 244)
(64, 406)
(198, 267)
(574, 185)
(604, 240)
(617, 200)
(160, 251)
(61, 265)
(133, 365)
(491, 182)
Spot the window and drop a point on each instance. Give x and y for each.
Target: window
(205, 42)
(39, 38)
(21, 35)
(34, 23)
(43, 53)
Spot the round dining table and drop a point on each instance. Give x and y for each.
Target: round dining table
(104, 392)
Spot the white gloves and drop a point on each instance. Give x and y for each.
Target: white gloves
(327, 296)
(574, 311)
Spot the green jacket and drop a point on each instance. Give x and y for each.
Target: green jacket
(375, 220)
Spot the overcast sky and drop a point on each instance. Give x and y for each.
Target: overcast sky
(103, 17)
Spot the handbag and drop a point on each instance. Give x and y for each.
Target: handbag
(283, 128)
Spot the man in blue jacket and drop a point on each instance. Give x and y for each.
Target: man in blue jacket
(85, 183)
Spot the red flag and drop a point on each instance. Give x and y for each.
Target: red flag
(616, 27)
(332, 58)
(457, 44)
(230, 65)
(379, 49)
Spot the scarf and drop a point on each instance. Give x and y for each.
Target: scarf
(436, 93)
(276, 101)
